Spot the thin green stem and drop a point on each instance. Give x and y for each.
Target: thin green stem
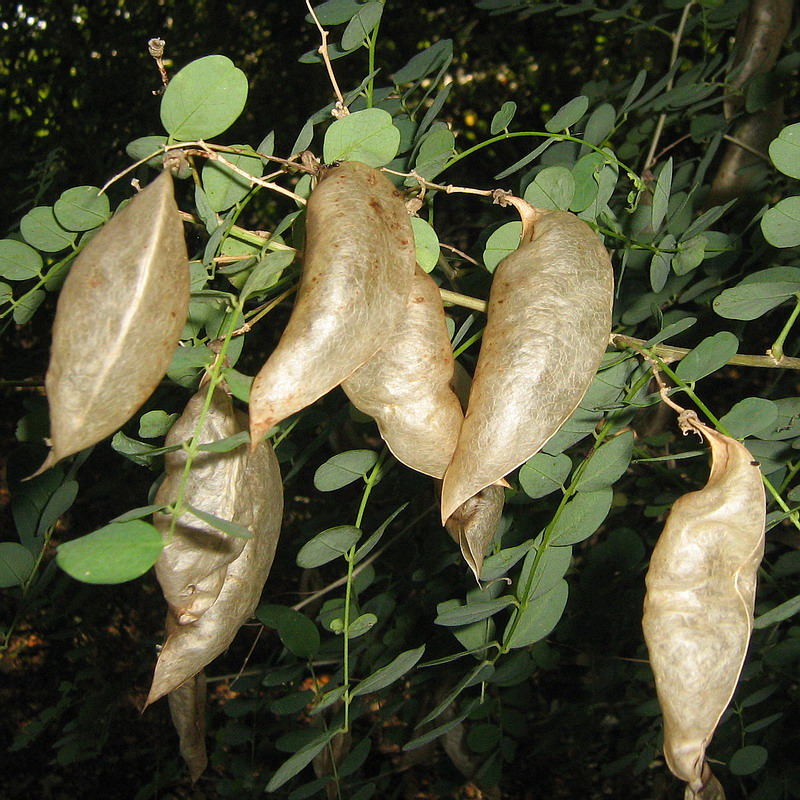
(776, 351)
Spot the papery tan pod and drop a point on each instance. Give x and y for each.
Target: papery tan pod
(474, 523)
(359, 262)
(191, 567)
(549, 318)
(187, 707)
(119, 318)
(189, 648)
(698, 610)
(406, 385)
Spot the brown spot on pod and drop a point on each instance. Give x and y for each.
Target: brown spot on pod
(345, 310)
(698, 610)
(549, 317)
(118, 320)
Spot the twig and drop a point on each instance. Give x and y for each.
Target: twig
(739, 143)
(340, 109)
(156, 49)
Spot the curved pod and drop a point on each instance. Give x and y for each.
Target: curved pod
(549, 318)
(698, 610)
(118, 320)
(407, 385)
(189, 648)
(191, 567)
(359, 262)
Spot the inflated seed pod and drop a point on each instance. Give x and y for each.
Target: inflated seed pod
(187, 707)
(406, 385)
(189, 647)
(119, 318)
(549, 318)
(474, 523)
(698, 610)
(191, 566)
(359, 262)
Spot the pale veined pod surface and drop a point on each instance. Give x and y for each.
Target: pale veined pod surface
(118, 321)
(189, 648)
(358, 266)
(406, 386)
(548, 322)
(187, 707)
(698, 610)
(191, 567)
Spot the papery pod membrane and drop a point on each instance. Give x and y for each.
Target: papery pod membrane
(698, 610)
(191, 567)
(406, 385)
(548, 322)
(359, 262)
(190, 647)
(119, 318)
(187, 707)
(474, 523)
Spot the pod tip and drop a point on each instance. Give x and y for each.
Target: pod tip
(51, 459)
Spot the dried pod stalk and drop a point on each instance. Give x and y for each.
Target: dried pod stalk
(118, 320)
(406, 385)
(191, 566)
(359, 262)
(187, 707)
(698, 611)
(549, 317)
(259, 506)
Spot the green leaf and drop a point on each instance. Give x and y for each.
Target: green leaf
(548, 570)
(483, 737)
(543, 474)
(586, 172)
(227, 444)
(223, 187)
(141, 453)
(778, 614)
(328, 545)
(709, 356)
(145, 146)
(297, 632)
(117, 553)
(367, 136)
(19, 261)
(424, 63)
(661, 197)
(41, 230)
(749, 759)
(480, 673)
(503, 241)
(660, 264)
(267, 271)
(335, 12)
(300, 760)
(82, 208)
(26, 306)
(472, 612)
(374, 538)
(501, 120)
(581, 517)
(690, 254)
(599, 125)
(358, 626)
(224, 525)
(155, 424)
(750, 417)
(344, 468)
(673, 329)
(498, 564)
(138, 513)
(440, 730)
(532, 623)
(6, 294)
(568, 114)
(16, 564)
(204, 98)
(435, 151)
(785, 151)
(187, 362)
(427, 243)
(607, 464)
(752, 300)
(59, 503)
(553, 187)
(781, 224)
(361, 25)
(238, 383)
(387, 675)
